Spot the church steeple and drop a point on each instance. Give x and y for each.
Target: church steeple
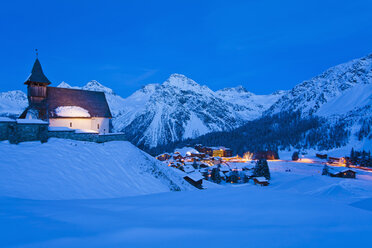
(37, 84)
(37, 75)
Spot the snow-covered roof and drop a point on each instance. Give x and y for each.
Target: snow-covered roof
(338, 169)
(261, 179)
(31, 121)
(195, 176)
(188, 168)
(71, 111)
(186, 151)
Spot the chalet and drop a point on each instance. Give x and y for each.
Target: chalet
(269, 155)
(204, 149)
(61, 107)
(321, 156)
(261, 181)
(188, 168)
(195, 179)
(332, 160)
(340, 172)
(163, 157)
(177, 156)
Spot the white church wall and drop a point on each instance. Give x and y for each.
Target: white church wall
(101, 125)
(73, 123)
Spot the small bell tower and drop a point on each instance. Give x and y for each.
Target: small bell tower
(37, 84)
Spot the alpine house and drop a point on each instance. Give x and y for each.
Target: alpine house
(61, 107)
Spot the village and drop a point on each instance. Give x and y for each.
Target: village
(218, 165)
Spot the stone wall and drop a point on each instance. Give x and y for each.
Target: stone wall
(29, 132)
(21, 132)
(5, 127)
(91, 137)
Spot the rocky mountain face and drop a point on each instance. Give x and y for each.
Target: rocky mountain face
(311, 96)
(341, 94)
(180, 108)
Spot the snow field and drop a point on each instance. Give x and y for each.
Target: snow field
(66, 169)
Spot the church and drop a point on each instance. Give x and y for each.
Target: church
(83, 110)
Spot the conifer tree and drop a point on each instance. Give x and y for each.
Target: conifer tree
(234, 177)
(325, 170)
(295, 156)
(215, 175)
(262, 169)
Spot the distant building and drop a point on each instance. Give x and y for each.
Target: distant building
(60, 107)
(204, 149)
(195, 179)
(261, 181)
(214, 151)
(221, 152)
(269, 155)
(163, 157)
(339, 172)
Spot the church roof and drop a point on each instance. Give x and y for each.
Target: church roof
(93, 101)
(37, 74)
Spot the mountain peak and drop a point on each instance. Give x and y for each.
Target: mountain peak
(63, 84)
(96, 86)
(239, 89)
(180, 81)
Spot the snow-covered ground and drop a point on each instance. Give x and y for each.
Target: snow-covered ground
(300, 208)
(66, 169)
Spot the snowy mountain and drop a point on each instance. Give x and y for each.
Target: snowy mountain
(65, 169)
(12, 103)
(257, 103)
(325, 94)
(341, 94)
(180, 108)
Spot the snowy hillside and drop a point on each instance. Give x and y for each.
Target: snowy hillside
(180, 108)
(12, 103)
(65, 169)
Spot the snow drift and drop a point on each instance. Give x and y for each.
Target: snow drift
(65, 169)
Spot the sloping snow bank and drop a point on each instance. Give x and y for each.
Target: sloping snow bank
(65, 169)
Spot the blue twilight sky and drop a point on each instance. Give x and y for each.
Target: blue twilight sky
(262, 45)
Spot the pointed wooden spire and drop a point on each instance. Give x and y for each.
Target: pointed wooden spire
(37, 74)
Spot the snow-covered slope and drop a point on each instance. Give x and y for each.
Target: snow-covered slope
(65, 169)
(335, 83)
(180, 108)
(12, 103)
